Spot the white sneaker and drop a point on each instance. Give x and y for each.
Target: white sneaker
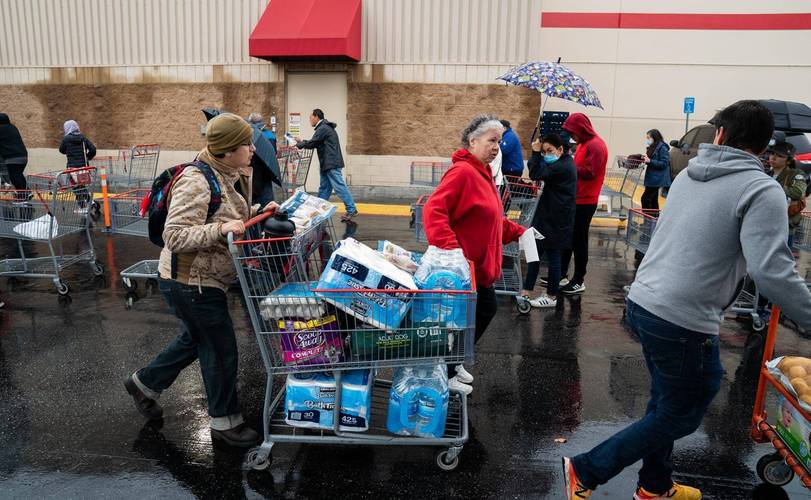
(463, 375)
(543, 301)
(456, 385)
(563, 282)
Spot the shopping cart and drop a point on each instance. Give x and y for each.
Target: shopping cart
(53, 208)
(132, 168)
(641, 223)
(802, 235)
(520, 200)
(620, 185)
(428, 173)
(416, 219)
(294, 165)
(264, 265)
(791, 455)
(125, 215)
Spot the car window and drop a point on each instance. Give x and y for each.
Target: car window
(800, 143)
(706, 135)
(689, 137)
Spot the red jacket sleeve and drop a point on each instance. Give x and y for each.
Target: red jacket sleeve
(511, 231)
(440, 209)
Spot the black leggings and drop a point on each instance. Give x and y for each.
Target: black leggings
(486, 308)
(650, 198)
(580, 243)
(15, 175)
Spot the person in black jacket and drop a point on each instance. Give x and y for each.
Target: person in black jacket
(325, 142)
(78, 148)
(13, 152)
(554, 215)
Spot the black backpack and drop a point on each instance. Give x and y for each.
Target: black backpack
(154, 204)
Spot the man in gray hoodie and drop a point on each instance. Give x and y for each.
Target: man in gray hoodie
(724, 218)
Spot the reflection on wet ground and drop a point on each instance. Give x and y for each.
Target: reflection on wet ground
(68, 429)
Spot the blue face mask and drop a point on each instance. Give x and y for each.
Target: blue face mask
(550, 158)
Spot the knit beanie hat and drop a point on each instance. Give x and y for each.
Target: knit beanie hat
(226, 132)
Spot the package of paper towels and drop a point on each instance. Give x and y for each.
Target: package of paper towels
(354, 266)
(310, 400)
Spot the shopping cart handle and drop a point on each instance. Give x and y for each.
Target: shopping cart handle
(258, 218)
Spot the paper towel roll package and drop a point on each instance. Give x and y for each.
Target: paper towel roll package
(355, 266)
(310, 400)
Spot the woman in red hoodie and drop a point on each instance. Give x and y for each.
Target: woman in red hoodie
(465, 211)
(590, 159)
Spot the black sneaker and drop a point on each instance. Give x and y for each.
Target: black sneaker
(574, 288)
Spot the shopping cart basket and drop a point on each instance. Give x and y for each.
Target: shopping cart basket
(802, 235)
(416, 219)
(791, 455)
(641, 223)
(428, 173)
(125, 216)
(294, 165)
(53, 209)
(267, 268)
(620, 185)
(520, 200)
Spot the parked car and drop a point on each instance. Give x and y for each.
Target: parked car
(686, 148)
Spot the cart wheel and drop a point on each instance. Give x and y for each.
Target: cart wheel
(773, 470)
(758, 324)
(523, 306)
(98, 270)
(62, 288)
(129, 285)
(257, 461)
(442, 463)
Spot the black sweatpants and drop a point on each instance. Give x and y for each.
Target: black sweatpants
(580, 243)
(650, 198)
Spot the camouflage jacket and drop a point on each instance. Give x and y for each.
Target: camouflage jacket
(793, 182)
(195, 243)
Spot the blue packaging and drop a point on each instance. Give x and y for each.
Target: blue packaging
(310, 400)
(418, 402)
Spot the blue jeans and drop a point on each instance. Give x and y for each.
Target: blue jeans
(553, 278)
(207, 333)
(686, 373)
(333, 179)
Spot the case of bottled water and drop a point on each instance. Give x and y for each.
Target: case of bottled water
(442, 270)
(418, 402)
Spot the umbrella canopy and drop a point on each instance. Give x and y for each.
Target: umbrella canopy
(265, 154)
(793, 117)
(553, 80)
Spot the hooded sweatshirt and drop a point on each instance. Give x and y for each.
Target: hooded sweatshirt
(724, 218)
(590, 158)
(12, 148)
(465, 212)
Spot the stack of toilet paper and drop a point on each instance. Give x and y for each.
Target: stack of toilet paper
(310, 400)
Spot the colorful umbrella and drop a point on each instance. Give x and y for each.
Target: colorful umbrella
(553, 80)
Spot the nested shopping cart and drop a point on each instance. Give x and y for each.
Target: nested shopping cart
(802, 235)
(294, 165)
(520, 201)
(54, 207)
(620, 185)
(428, 173)
(132, 168)
(268, 267)
(791, 456)
(126, 218)
(416, 219)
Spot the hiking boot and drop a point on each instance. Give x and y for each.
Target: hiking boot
(676, 492)
(240, 436)
(574, 488)
(145, 405)
(574, 288)
(543, 301)
(463, 375)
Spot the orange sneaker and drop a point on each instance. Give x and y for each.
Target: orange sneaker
(574, 488)
(677, 492)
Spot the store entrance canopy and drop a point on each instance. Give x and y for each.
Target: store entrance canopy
(306, 29)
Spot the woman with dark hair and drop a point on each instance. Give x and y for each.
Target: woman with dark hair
(657, 176)
(554, 216)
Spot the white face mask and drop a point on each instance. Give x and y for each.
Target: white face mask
(648, 142)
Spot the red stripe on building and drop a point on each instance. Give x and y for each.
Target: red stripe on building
(617, 20)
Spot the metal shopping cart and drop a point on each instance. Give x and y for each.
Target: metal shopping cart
(294, 165)
(416, 219)
(620, 185)
(641, 223)
(791, 455)
(125, 215)
(268, 266)
(802, 235)
(53, 208)
(428, 173)
(132, 168)
(520, 200)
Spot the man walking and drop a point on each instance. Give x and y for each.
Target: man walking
(724, 217)
(590, 159)
(325, 142)
(512, 159)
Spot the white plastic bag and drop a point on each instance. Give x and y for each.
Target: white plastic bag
(37, 229)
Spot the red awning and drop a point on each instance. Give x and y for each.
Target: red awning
(296, 29)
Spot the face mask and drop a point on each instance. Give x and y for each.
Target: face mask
(550, 158)
(648, 142)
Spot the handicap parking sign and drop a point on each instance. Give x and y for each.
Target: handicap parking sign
(689, 105)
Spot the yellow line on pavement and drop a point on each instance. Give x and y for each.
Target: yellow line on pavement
(382, 209)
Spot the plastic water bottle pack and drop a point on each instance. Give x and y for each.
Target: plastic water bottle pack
(442, 270)
(418, 402)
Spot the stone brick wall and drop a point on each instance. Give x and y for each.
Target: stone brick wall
(414, 119)
(113, 115)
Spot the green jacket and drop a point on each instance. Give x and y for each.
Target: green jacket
(793, 182)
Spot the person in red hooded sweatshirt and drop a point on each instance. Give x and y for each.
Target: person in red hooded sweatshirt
(465, 211)
(590, 159)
